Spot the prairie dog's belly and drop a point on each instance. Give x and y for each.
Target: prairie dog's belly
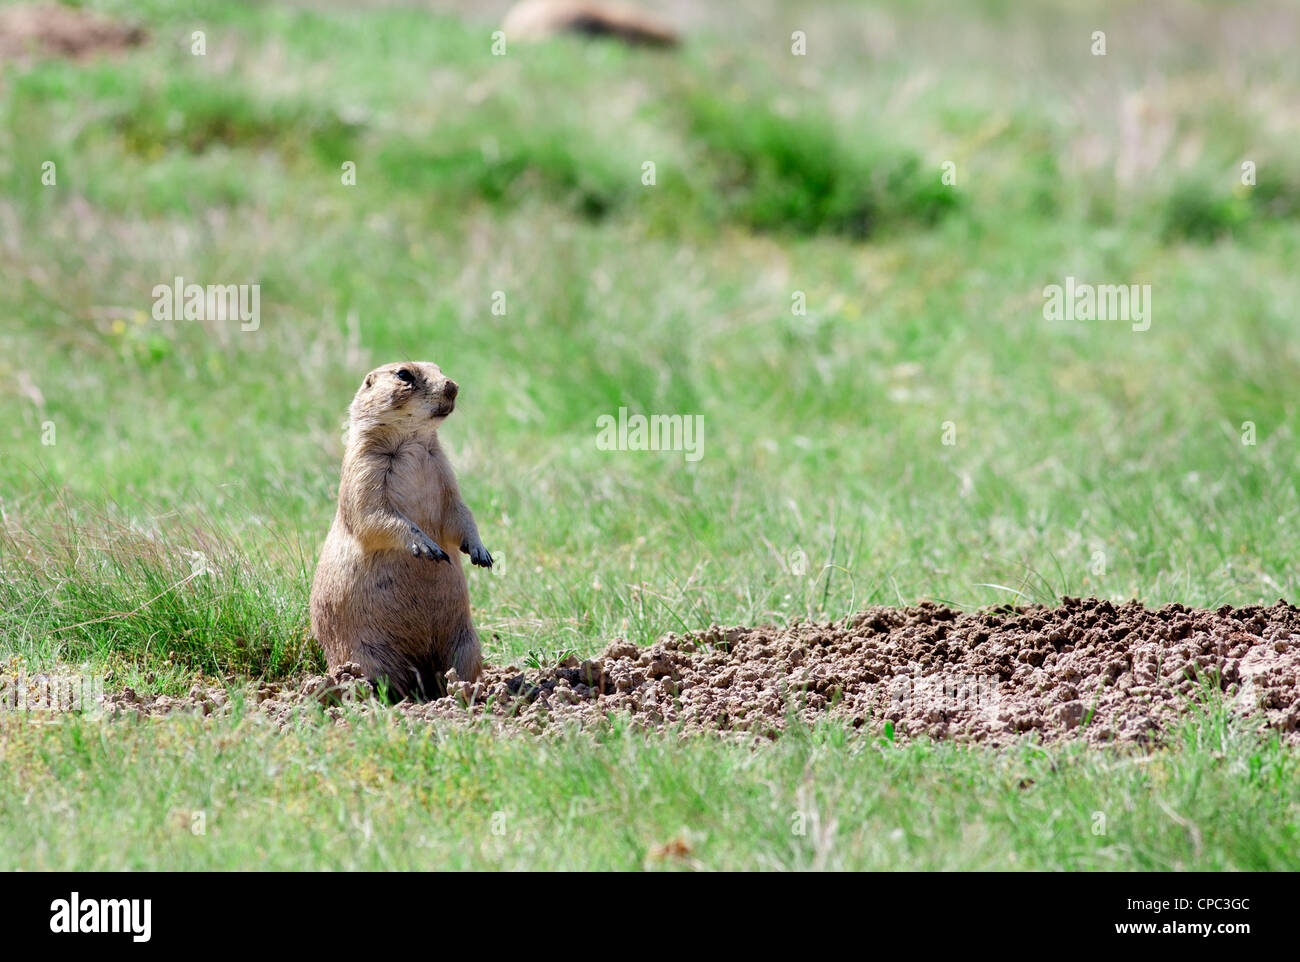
(412, 595)
(390, 594)
(418, 488)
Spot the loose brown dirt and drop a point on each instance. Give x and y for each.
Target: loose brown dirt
(1088, 670)
(51, 30)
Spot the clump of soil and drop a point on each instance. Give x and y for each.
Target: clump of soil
(344, 685)
(54, 30)
(1087, 669)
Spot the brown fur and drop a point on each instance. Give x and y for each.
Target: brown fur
(390, 593)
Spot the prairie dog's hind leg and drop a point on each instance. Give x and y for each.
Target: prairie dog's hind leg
(389, 672)
(465, 655)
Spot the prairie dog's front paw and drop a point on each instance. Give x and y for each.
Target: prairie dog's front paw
(478, 555)
(422, 546)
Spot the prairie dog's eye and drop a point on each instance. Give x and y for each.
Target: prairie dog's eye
(405, 375)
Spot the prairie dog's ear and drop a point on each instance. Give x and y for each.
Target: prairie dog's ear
(370, 379)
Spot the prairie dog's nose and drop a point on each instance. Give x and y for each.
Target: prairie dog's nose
(449, 390)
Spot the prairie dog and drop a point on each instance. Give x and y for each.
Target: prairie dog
(390, 593)
(538, 19)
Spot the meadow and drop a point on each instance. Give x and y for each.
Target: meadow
(888, 415)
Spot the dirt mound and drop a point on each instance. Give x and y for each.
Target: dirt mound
(1088, 669)
(53, 30)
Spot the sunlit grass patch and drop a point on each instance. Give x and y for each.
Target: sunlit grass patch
(179, 598)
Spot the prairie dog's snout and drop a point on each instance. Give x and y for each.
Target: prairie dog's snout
(444, 398)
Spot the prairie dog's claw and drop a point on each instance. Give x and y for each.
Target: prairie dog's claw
(422, 546)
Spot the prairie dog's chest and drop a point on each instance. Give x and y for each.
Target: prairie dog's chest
(420, 482)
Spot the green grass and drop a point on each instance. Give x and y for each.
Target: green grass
(171, 529)
(380, 795)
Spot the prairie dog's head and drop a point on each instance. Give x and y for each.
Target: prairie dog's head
(410, 393)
